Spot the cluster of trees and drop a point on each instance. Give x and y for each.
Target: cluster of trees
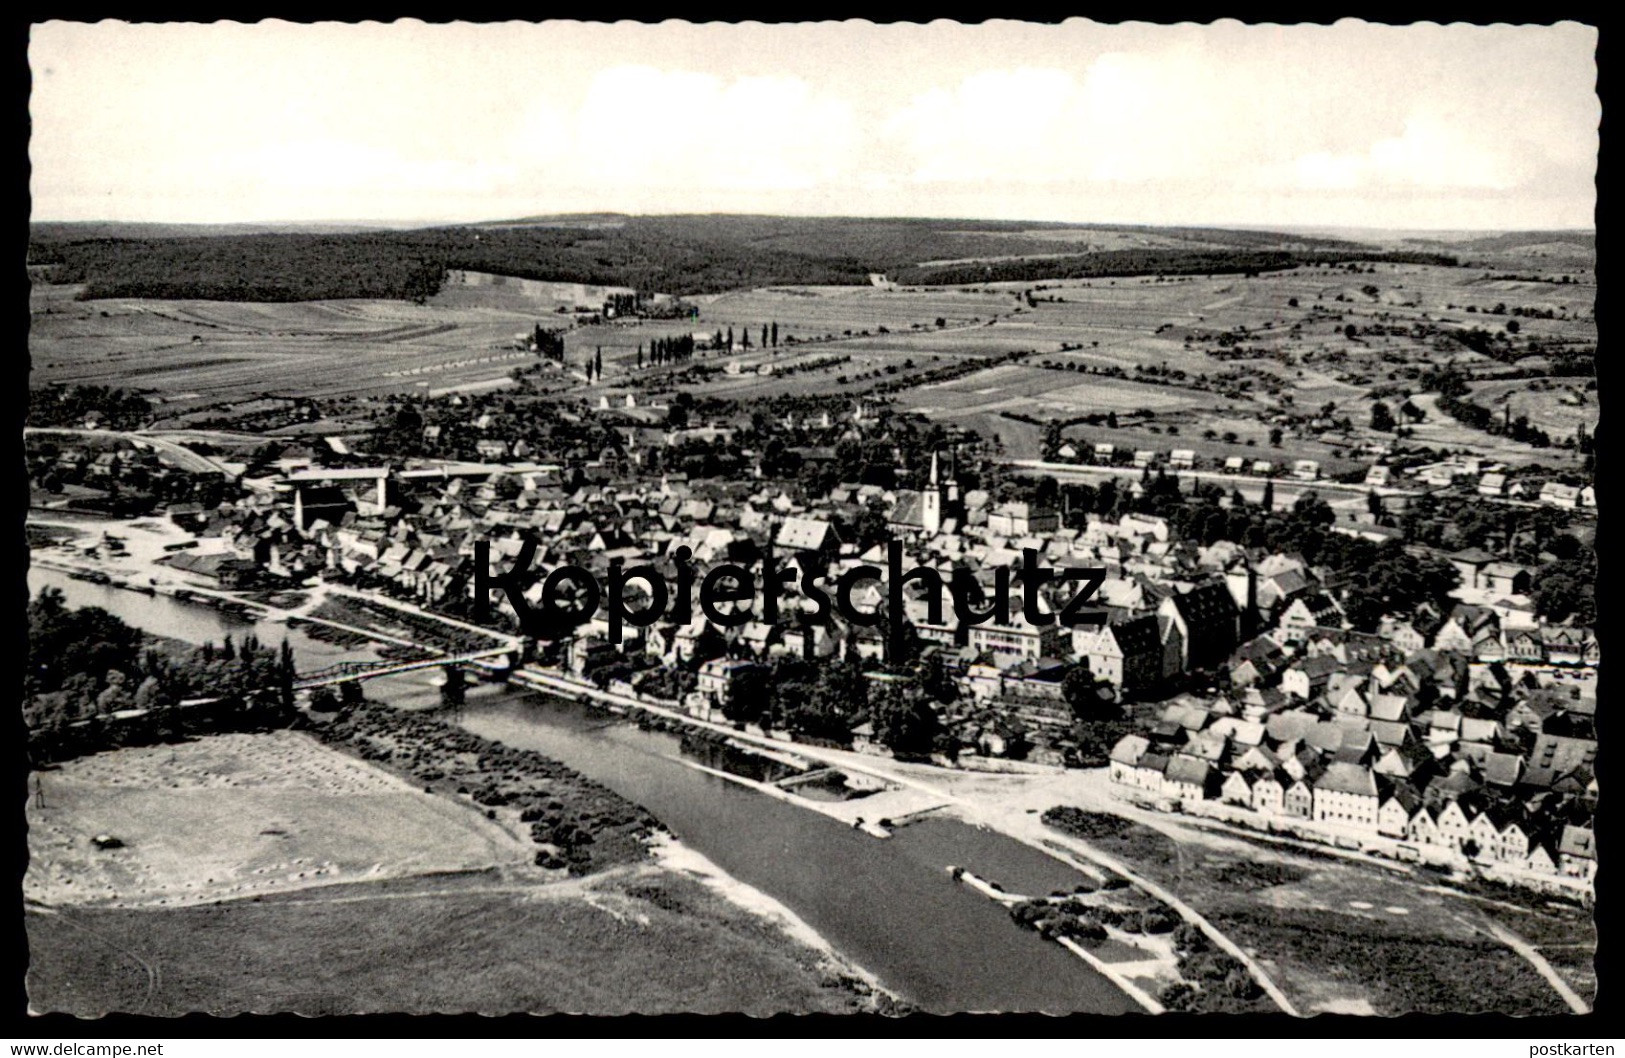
(948, 372)
(1109, 263)
(823, 701)
(127, 489)
(1567, 357)
(680, 255)
(114, 408)
(282, 267)
(549, 344)
(826, 700)
(676, 350)
(1481, 418)
(1454, 390)
(623, 304)
(822, 363)
(1464, 521)
(1566, 588)
(85, 664)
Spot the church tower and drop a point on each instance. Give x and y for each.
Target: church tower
(931, 501)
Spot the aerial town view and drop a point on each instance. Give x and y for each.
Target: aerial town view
(672, 593)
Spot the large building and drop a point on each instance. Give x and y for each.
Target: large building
(1209, 623)
(1022, 519)
(1126, 654)
(1018, 639)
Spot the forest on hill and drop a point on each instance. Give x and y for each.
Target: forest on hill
(1108, 263)
(690, 254)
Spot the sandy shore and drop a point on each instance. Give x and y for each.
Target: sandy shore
(674, 855)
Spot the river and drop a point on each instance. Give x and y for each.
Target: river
(192, 622)
(889, 905)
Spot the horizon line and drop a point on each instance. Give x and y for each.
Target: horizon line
(401, 222)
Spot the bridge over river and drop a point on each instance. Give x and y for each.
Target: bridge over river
(353, 671)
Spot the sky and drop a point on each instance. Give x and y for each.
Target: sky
(1453, 127)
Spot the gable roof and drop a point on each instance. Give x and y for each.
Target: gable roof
(1130, 749)
(1345, 777)
(1206, 604)
(1188, 770)
(1137, 636)
(1578, 842)
(803, 534)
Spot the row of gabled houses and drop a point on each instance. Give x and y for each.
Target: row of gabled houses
(1438, 781)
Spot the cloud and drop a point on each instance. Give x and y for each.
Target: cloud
(644, 127)
(1224, 123)
(1429, 155)
(1131, 117)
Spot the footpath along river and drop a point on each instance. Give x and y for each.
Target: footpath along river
(889, 905)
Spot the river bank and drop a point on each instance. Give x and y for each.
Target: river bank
(888, 906)
(216, 870)
(326, 846)
(646, 939)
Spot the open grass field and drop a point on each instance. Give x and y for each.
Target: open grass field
(236, 815)
(1559, 405)
(228, 895)
(641, 940)
(1046, 393)
(1440, 430)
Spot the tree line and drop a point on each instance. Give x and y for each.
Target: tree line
(113, 407)
(677, 255)
(1120, 263)
(85, 666)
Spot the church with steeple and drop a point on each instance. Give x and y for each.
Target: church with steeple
(934, 509)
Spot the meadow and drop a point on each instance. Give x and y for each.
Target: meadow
(642, 940)
(241, 815)
(270, 873)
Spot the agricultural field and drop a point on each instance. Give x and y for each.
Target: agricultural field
(1208, 356)
(194, 354)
